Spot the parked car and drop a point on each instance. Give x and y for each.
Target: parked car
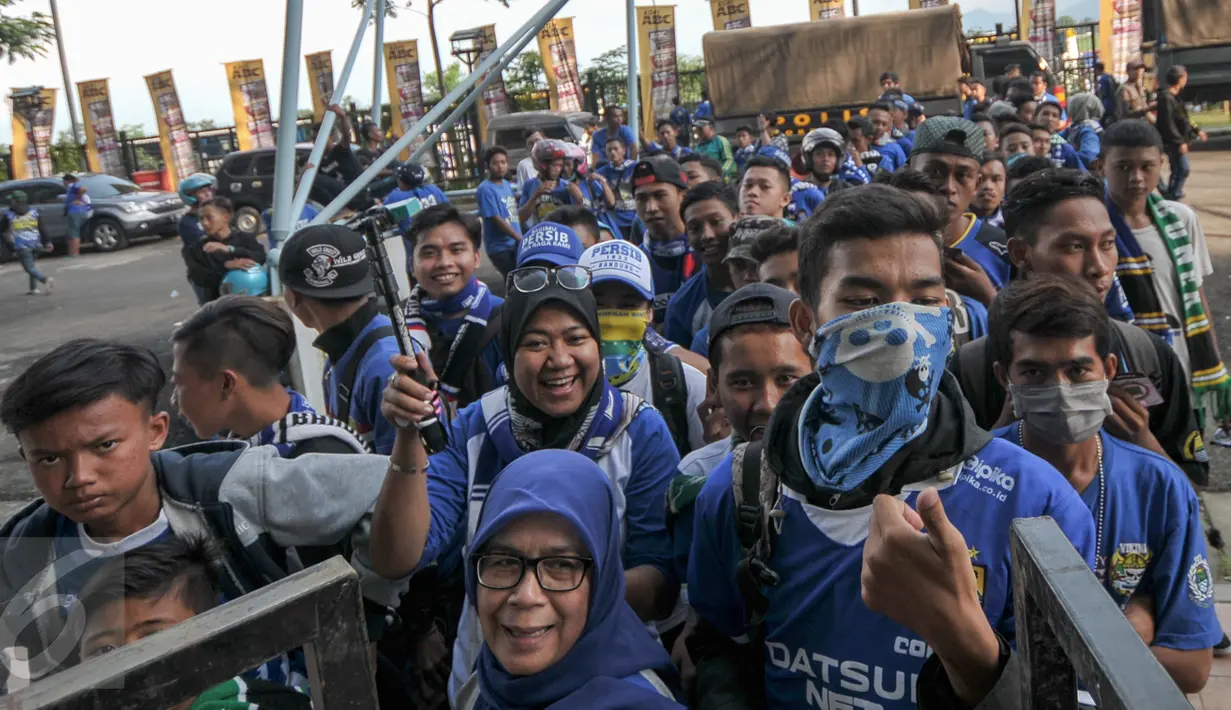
(510, 130)
(123, 210)
(246, 178)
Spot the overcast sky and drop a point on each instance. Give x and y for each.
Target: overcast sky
(124, 40)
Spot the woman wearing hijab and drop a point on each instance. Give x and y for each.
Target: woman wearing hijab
(1085, 130)
(544, 574)
(556, 398)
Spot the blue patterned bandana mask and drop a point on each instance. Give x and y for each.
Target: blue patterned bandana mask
(880, 369)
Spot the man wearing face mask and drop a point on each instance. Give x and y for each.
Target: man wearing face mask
(878, 423)
(1050, 339)
(1057, 224)
(624, 291)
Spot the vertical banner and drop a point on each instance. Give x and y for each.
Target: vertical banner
(660, 77)
(1125, 35)
(924, 4)
(731, 14)
(177, 152)
(34, 117)
(254, 128)
(827, 9)
(405, 89)
(101, 147)
(495, 99)
(1043, 29)
(320, 81)
(560, 64)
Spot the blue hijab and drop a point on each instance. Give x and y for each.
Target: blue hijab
(615, 643)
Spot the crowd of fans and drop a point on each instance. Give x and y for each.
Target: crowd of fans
(747, 429)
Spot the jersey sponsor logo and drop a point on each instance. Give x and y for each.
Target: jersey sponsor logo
(842, 682)
(1127, 567)
(1200, 582)
(992, 480)
(911, 647)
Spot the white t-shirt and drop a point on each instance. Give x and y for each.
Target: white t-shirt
(526, 171)
(694, 379)
(1165, 278)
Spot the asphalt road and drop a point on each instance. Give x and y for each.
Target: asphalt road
(138, 296)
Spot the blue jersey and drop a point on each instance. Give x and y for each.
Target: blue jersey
(546, 203)
(689, 309)
(701, 342)
(428, 195)
(308, 214)
(823, 646)
(997, 267)
(677, 152)
(25, 227)
(1151, 542)
(598, 143)
(669, 274)
(624, 214)
(1063, 155)
(496, 200)
(704, 110)
(893, 157)
(976, 315)
(369, 387)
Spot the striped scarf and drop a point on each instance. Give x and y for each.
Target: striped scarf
(1211, 384)
(420, 309)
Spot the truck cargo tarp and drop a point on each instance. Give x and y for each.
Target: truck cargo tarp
(1196, 23)
(833, 62)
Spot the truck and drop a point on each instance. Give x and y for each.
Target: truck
(1196, 34)
(809, 72)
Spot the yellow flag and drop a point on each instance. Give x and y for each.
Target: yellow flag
(731, 14)
(405, 88)
(101, 147)
(495, 99)
(559, 55)
(250, 103)
(827, 9)
(320, 81)
(660, 80)
(34, 117)
(177, 152)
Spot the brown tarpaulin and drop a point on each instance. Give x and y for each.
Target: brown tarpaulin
(1197, 23)
(833, 62)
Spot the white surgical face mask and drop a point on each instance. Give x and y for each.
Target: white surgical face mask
(1062, 413)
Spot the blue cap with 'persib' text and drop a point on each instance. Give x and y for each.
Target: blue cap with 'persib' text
(549, 243)
(618, 260)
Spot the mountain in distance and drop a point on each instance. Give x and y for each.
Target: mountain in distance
(984, 19)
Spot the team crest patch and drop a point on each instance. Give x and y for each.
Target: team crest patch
(1128, 565)
(1200, 582)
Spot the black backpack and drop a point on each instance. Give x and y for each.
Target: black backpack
(671, 397)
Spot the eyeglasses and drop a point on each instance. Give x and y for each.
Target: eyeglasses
(555, 574)
(530, 279)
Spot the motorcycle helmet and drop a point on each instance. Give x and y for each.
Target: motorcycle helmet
(412, 174)
(819, 137)
(189, 186)
(545, 151)
(252, 281)
(577, 154)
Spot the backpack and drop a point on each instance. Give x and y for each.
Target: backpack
(670, 394)
(754, 485)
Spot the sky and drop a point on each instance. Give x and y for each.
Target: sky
(124, 40)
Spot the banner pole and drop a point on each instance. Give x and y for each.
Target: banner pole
(284, 160)
(631, 113)
(322, 136)
(378, 63)
(534, 24)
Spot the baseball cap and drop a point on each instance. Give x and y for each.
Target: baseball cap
(326, 261)
(618, 260)
(699, 122)
(776, 153)
(659, 168)
(744, 233)
(549, 242)
(753, 304)
(949, 134)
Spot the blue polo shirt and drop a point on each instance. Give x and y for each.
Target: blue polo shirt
(496, 200)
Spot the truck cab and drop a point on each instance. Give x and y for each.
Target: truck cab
(1196, 34)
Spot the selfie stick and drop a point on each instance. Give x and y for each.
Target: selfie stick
(377, 224)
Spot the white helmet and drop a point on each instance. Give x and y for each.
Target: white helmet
(819, 137)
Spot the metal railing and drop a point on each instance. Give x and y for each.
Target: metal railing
(319, 608)
(1069, 627)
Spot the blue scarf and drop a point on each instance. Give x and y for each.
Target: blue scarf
(476, 301)
(669, 248)
(880, 369)
(853, 174)
(614, 644)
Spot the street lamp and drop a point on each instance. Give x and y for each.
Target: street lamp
(467, 45)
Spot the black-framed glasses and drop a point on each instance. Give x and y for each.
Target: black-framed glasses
(555, 574)
(528, 279)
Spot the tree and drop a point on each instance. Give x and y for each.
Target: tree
(524, 77)
(204, 124)
(66, 154)
(24, 37)
(133, 130)
(453, 77)
(692, 78)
